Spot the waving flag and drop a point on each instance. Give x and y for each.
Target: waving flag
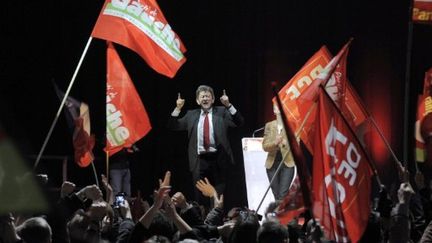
(424, 107)
(141, 26)
(341, 176)
(299, 93)
(127, 120)
(78, 118)
(297, 85)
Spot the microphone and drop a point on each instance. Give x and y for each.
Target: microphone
(257, 130)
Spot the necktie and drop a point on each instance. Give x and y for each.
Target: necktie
(206, 133)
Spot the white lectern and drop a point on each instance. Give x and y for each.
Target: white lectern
(255, 174)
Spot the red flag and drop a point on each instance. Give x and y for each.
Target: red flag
(297, 85)
(298, 94)
(424, 107)
(127, 119)
(341, 176)
(422, 11)
(78, 117)
(141, 26)
(292, 205)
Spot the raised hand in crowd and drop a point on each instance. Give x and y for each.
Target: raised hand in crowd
(67, 188)
(138, 207)
(180, 201)
(91, 192)
(206, 188)
(171, 213)
(108, 190)
(125, 210)
(405, 192)
(166, 181)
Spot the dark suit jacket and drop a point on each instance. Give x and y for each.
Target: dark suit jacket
(222, 120)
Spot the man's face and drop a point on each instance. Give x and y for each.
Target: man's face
(205, 100)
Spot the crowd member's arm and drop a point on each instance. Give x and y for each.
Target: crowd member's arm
(127, 225)
(400, 225)
(108, 190)
(190, 212)
(171, 213)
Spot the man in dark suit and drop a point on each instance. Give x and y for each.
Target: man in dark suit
(209, 148)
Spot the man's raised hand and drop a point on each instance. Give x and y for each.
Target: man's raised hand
(180, 102)
(225, 100)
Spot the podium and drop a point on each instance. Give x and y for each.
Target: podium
(255, 174)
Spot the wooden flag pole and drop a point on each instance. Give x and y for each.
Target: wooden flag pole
(62, 103)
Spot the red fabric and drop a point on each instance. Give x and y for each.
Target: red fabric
(127, 119)
(341, 176)
(292, 204)
(299, 94)
(424, 107)
(422, 11)
(141, 26)
(206, 133)
(83, 144)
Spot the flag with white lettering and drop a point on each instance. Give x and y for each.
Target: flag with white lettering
(78, 118)
(296, 86)
(341, 176)
(299, 93)
(141, 26)
(422, 11)
(127, 119)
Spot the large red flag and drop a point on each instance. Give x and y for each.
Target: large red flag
(141, 26)
(320, 68)
(127, 119)
(297, 85)
(341, 176)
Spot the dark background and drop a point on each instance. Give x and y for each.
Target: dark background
(240, 46)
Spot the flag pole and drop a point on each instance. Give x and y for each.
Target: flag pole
(297, 153)
(95, 174)
(62, 103)
(297, 135)
(407, 85)
(378, 129)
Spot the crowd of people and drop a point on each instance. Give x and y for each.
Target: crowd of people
(109, 213)
(94, 214)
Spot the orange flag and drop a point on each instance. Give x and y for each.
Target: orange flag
(297, 85)
(127, 119)
(320, 68)
(341, 176)
(141, 26)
